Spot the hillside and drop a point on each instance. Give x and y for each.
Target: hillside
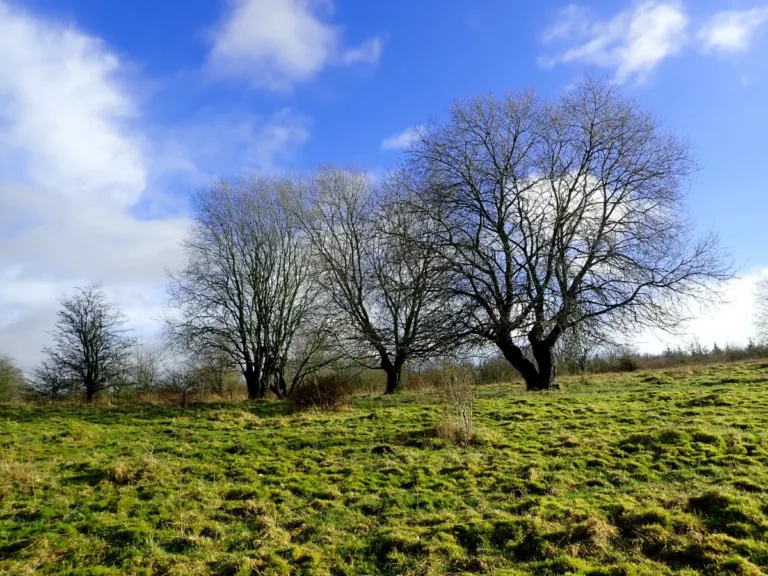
(644, 473)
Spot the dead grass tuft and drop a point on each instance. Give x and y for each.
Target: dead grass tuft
(596, 533)
(127, 472)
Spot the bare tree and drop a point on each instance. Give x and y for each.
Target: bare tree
(91, 348)
(217, 374)
(550, 215)
(313, 348)
(247, 287)
(581, 343)
(181, 381)
(384, 295)
(146, 367)
(49, 382)
(762, 310)
(122, 386)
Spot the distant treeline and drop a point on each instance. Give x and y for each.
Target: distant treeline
(628, 359)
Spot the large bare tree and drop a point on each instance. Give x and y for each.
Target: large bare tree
(550, 215)
(247, 287)
(385, 295)
(91, 348)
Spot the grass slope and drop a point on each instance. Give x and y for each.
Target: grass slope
(653, 473)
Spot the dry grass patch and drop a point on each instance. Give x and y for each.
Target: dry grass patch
(126, 472)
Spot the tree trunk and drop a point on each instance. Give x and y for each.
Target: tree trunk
(394, 374)
(280, 386)
(539, 376)
(263, 385)
(252, 382)
(544, 352)
(90, 392)
(514, 355)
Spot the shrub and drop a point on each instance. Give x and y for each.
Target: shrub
(626, 363)
(181, 382)
(456, 387)
(321, 392)
(11, 380)
(48, 382)
(495, 370)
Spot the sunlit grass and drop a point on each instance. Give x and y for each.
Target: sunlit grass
(645, 473)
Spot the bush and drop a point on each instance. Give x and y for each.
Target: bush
(12, 380)
(626, 363)
(48, 383)
(181, 382)
(320, 392)
(456, 387)
(495, 370)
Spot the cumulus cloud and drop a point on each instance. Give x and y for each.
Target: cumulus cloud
(732, 31)
(210, 145)
(572, 21)
(632, 43)
(402, 140)
(72, 168)
(276, 44)
(368, 52)
(732, 322)
(77, 161)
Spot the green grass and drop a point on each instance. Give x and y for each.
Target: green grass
(648, 473)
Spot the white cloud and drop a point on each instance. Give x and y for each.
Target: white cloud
(728, 32)
(72, 169)
(402, 140)
(76, 157)
(276, 44)
(368, 52)
(223, 144)
(75, 137)
(573, 21)
(632, 43)
(732, 322)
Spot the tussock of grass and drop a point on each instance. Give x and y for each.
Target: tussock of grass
(18, 477)
(457, 433)
(639, 474)
(131, 471)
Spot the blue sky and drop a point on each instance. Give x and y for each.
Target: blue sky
(111, 112)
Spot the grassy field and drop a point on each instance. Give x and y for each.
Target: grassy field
(646, 473)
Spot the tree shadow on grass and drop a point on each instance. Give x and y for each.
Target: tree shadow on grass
(85, 473)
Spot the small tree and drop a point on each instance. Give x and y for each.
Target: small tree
(384, 295)
(181, 381)
(91, 349)
(217, 375)
(580, 344)
(457, 390)
(12, 381)
(121, 386)
(146, 367)
(762, 310)
(49, 382)
(313, 350)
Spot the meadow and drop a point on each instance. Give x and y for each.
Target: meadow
(652, 472)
